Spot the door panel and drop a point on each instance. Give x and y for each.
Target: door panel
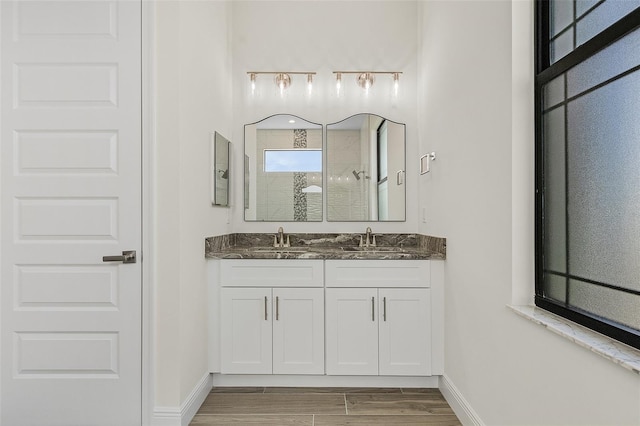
(352, 331)
(405, 332)
(246, 331)
(298, 331)
(71, 194)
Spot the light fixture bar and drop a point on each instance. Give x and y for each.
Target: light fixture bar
(368, 72)
(365, 79)
(281, 72)
(282, 79)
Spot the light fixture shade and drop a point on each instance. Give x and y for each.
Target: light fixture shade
(365, 80)
(309, 83)
(283, 80)
(252, 79)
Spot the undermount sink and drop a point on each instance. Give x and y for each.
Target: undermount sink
(279, 249)
(375, 249)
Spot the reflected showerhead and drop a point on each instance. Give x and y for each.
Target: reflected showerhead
(224, 174)
(357, 174)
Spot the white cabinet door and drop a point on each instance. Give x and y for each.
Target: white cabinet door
(246, 331)
(352, 331)
(404, 332)
(298, 331)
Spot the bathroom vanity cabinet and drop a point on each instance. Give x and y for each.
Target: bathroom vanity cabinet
(272, 317)
(378, 317)
(327, 318)
(382, 331)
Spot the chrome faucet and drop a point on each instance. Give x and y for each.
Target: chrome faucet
(370, 240)
(279, 239)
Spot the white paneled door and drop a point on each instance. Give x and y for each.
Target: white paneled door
(70, 124)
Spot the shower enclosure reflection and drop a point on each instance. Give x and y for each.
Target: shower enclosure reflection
(365, 169)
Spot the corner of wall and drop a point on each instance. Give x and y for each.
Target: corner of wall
(458, 403)
(183, 414)
(522, 155)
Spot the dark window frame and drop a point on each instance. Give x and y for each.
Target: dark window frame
(545, 72)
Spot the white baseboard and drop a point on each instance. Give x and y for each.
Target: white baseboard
(182, 416)
(269, 380)
(458, 403)
(195, 399)
(166, 416)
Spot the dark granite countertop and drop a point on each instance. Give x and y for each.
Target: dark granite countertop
(325, 246)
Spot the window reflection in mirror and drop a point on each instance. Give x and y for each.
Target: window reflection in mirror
(365, 169)
(283, 170)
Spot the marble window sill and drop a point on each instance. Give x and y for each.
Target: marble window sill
(617, 352)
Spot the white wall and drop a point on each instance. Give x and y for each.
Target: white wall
(194, 99)
(324, 36)
(471, 76)
(475, 111)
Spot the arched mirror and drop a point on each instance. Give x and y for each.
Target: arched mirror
(283, 170)
(365, 169)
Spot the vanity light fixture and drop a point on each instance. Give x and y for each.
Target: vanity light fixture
(309, 83)
(283, 79)
(252, 78)
(365, 79)
(396, 83)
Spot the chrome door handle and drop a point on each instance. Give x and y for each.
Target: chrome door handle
(384, 310)
(265, 308)
(128, 256)
(373, 309)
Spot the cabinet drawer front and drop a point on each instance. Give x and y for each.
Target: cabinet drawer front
(378, 273)
(271, 273)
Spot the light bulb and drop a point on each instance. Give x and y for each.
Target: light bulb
(283, 80)
(309, 83)
(252, 77)
(365, 80)
(396, 83)
(338, 83)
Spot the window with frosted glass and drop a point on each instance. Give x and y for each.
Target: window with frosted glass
(588, 167)
(575, 22)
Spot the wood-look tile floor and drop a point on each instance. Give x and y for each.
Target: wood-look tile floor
(325, 407)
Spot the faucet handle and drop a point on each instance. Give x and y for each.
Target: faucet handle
(373, 240)
(360, 245)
